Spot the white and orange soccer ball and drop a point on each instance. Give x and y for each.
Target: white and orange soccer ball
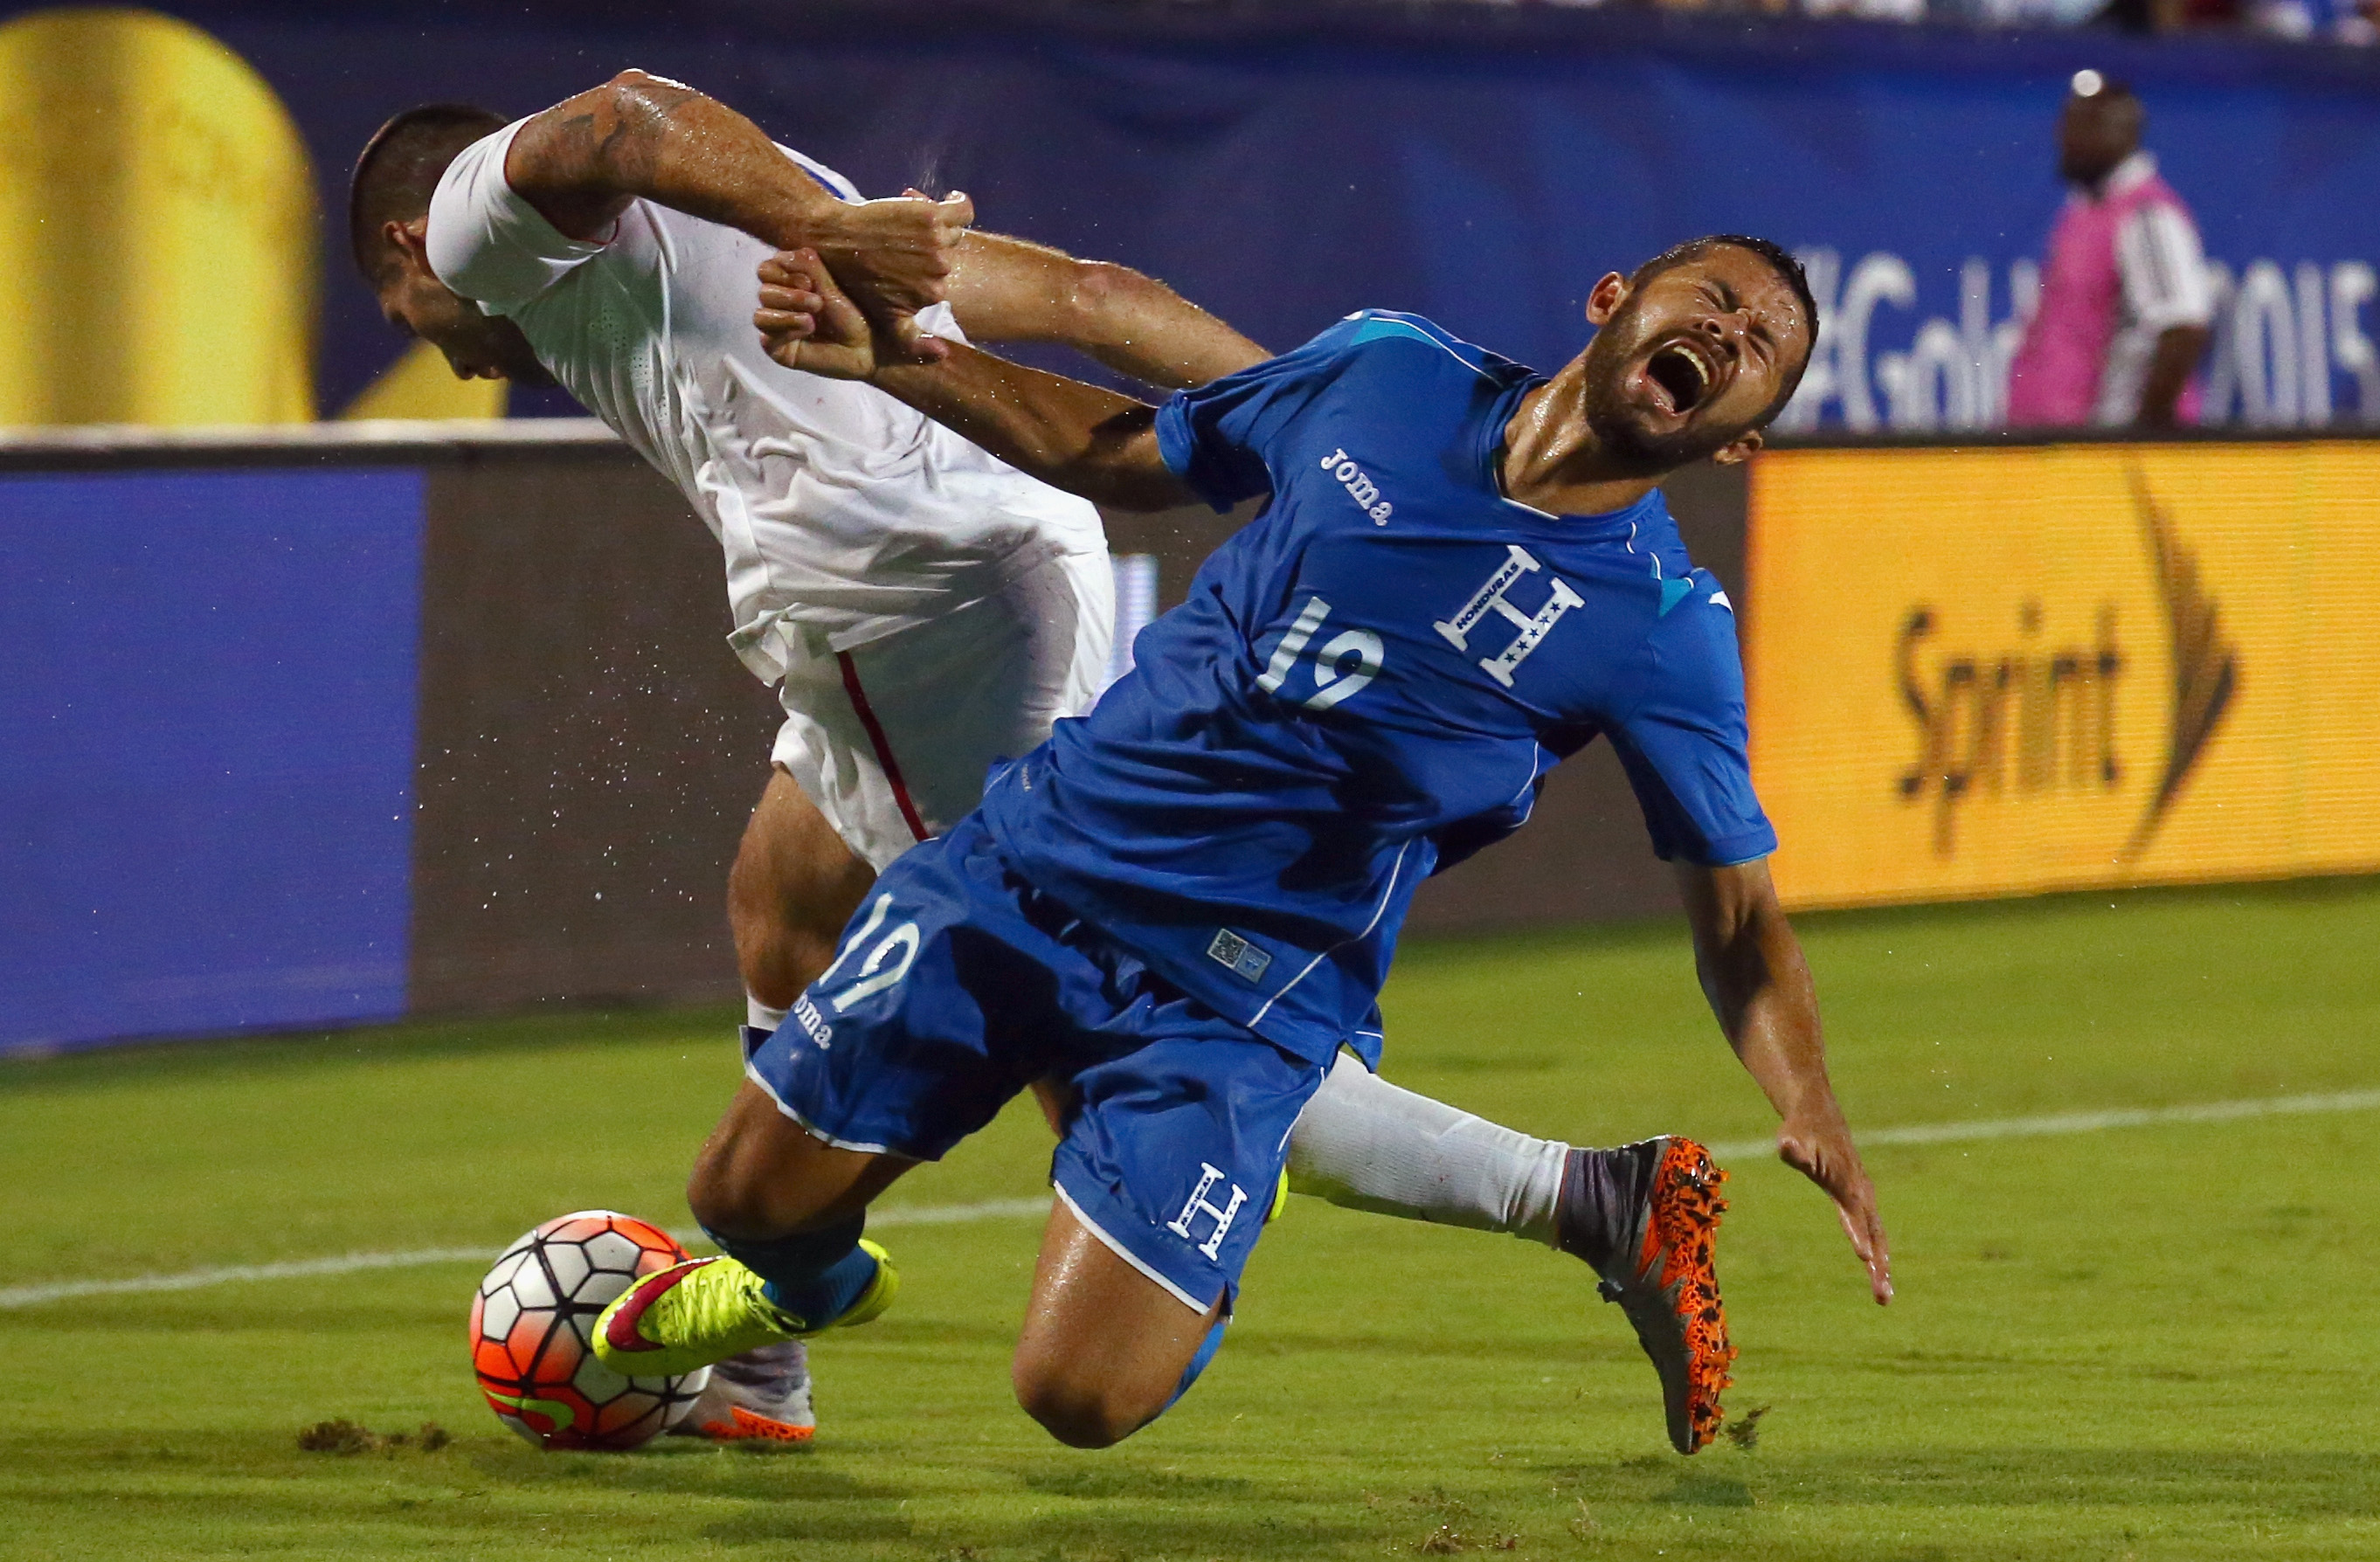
(530, 1326)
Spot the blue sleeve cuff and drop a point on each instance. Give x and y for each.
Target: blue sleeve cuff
(1732, 851)
(1179, 449)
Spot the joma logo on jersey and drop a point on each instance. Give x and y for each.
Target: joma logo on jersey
(1360, 486)
(1492, 598)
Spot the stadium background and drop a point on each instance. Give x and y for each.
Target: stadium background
(327, 723)
(328, 696)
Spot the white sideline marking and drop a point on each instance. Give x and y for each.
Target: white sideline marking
(353, 1262)
(1003, 1209)
(199, 1279)
(954, 1214)
(2083, 1123)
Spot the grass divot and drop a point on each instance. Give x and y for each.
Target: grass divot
(348, 1437)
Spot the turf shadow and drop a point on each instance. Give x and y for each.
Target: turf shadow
(2210, 1483)
(1112, 1481)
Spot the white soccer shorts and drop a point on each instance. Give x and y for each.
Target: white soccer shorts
(891, 741)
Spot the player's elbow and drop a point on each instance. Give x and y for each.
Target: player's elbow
(580, 161)
(1101, 296)
(631, 110)
(631, 85)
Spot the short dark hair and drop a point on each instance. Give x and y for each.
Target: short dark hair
(2109, 95)
(1781, 260)
(400, 168)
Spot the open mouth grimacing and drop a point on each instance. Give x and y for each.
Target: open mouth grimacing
(1681, 374)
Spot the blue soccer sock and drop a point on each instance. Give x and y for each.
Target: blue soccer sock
(813, 1277)
(1207, 1349)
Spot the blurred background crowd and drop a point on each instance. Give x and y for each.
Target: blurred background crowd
(2332, 21)
(2198, 248)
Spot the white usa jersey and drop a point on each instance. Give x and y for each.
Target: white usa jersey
(843, 512)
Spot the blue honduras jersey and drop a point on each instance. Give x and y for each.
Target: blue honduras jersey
(1368, 682)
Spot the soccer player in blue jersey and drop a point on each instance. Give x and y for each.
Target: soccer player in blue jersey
(1186, 903)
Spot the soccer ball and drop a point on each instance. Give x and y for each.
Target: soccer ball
(530, 1335)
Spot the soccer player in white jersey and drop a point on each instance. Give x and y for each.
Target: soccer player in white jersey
(924, 609)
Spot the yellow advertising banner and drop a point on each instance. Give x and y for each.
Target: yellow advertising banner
(157, 228)
(2003, 671)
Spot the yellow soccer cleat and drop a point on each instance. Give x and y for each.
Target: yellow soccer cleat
(706, 1309)
(875, 1299)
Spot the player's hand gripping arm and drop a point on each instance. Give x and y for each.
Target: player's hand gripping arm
(581, 163)
(1011, 290)
(1073, 436)
(1759, 986)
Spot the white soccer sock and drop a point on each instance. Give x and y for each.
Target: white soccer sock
(760, 1016)
(1366, 1144)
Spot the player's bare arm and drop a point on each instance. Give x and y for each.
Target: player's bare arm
(1759, 987)
(643, 137)
(1081, 438)
(1087, 440)
(1013, 290)
(2177, 352)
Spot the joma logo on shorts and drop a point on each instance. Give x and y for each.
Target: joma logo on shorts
(1360, 488)
(813, 1023)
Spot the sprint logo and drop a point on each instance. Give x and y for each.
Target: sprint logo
(1360, 486)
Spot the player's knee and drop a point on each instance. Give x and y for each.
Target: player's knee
(1075, 1407)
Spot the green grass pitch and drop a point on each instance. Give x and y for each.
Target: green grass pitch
(2143, 1342)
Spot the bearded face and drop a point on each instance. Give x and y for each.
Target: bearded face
(1691, 360)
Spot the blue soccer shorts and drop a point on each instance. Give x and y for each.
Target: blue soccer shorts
(958, 984)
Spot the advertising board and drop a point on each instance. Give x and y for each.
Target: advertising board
(1986, 672)
(206, 750)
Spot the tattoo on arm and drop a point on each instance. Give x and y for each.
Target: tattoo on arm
(614, 140)
(641, 119)
(581, 162)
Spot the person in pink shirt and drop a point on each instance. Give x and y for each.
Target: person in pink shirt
(2125, 298)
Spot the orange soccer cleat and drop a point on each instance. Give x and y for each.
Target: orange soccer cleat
(762, 1396)
(1670, 1291)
